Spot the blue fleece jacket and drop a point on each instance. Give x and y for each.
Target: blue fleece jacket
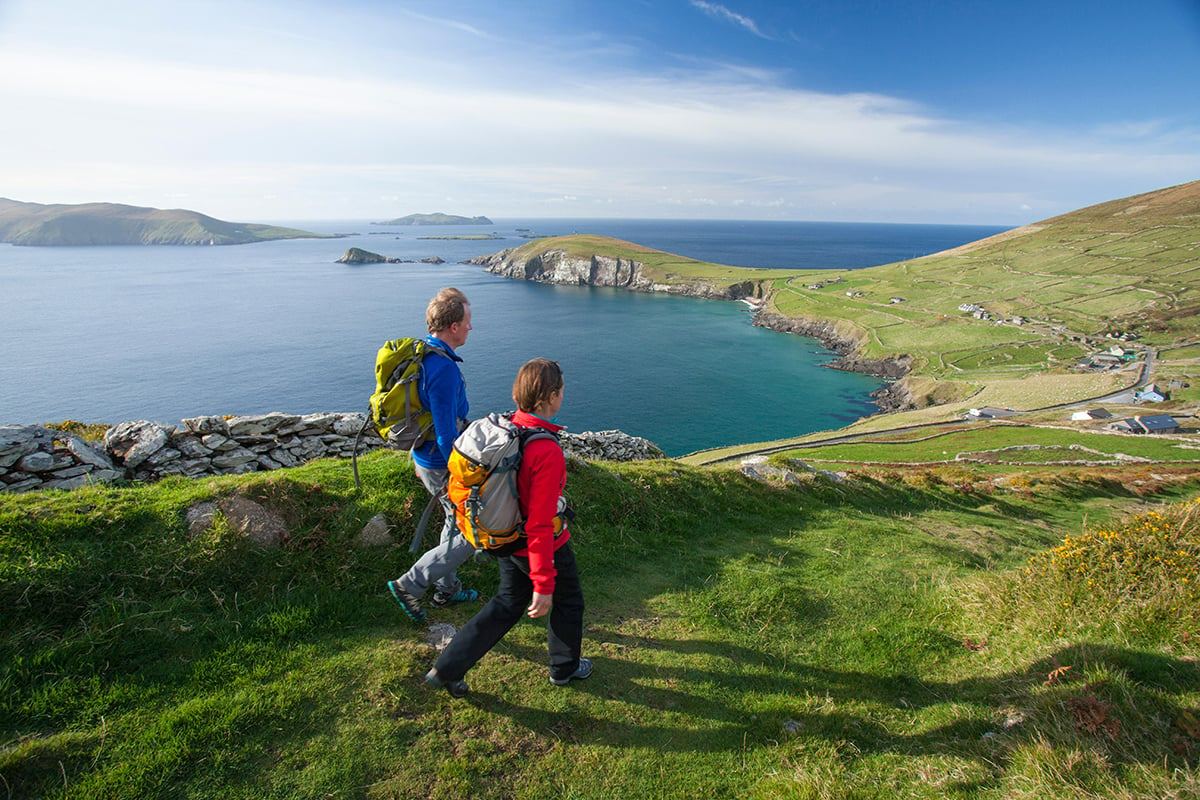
(444, 392)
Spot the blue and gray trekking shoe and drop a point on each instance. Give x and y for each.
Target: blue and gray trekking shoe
(410, 604)
(582, 672)
(441, 599)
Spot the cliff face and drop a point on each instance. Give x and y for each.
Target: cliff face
(559, 267)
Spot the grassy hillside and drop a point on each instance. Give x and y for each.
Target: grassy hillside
(114, 224)
(659, 266)
(1129, 266)
(936, 610)
(1052, 293)
(911, 633)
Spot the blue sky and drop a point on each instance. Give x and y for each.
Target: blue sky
(855, 110)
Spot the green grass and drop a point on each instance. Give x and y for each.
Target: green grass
(873, 638)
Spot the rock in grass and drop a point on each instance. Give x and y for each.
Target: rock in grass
(254, 521)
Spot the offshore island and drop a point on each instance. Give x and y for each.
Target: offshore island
(91, 224)
(436, 219)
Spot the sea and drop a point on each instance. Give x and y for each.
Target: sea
(109, 334)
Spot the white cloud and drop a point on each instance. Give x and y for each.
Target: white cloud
(721, 12)
(451, 23)
(328, 136)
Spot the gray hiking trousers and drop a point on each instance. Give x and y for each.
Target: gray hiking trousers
(438, 564)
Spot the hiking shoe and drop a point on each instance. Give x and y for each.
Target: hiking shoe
(441, 599)
(456, 688)
(411, 605)
(583, 671)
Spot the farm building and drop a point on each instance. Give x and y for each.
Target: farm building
(1153, 423)
(1091, 414)
(1151, 394)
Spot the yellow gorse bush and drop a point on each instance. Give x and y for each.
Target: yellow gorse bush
(1149, 561)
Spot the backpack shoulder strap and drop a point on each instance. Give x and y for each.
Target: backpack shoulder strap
(528, 435)
(428, 347)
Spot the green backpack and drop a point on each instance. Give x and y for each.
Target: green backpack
(395, 408)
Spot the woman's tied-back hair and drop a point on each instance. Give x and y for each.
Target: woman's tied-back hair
(536, 381)
(447, 307)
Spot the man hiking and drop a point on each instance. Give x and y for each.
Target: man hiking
(442, 391)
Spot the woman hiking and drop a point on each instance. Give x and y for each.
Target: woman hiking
(541, 578)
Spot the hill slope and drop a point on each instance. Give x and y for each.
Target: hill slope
(1007, 320)
(913, 634)
(1046, 296)
(116, 224)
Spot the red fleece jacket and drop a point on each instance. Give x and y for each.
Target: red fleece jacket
(540, 483)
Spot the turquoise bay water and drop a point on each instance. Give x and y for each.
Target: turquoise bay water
(105, 334)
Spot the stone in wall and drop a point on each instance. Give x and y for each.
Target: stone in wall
(33, 457)
(134, 442)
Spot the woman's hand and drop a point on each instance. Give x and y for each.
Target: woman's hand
(540, 606)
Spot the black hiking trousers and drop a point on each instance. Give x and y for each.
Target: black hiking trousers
(564, 635)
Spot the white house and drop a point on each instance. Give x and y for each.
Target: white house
(1151, 394)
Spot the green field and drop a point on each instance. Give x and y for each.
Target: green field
(896, 634)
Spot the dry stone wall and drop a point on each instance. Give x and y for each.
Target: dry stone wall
(608, 446)
(34, 457)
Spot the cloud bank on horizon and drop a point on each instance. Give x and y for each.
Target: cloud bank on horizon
(856, 110)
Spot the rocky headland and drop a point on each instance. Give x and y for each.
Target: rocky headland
(559, 266)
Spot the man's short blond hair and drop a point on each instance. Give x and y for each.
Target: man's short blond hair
(447, 307)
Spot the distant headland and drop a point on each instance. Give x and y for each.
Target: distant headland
(436, 219)
(88, 224)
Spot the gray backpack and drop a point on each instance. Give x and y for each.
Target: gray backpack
(483, 482)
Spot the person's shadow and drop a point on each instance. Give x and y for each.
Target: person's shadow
(1049, 700)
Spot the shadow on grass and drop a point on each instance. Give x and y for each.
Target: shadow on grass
(716, 696)
(1126, 711)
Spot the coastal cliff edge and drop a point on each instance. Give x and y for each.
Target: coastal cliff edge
(557, 266)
